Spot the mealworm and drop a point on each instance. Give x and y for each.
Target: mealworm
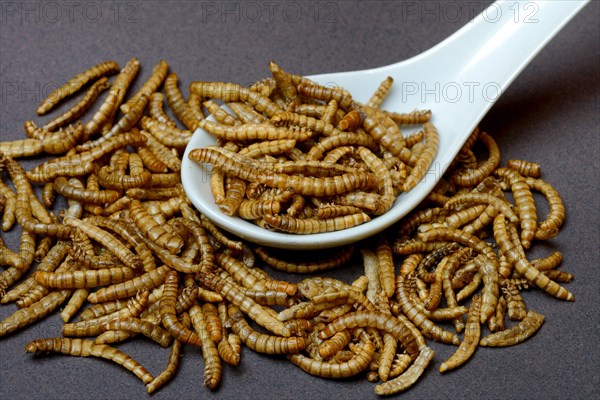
(126, 289)
(82, 347)
(229, 92)
(472, 197)
(245, 113)
(172, 363)
(80, 108)
(212, 362)
(354, 366)
(76, 83)
(8, 217)
(381, 93)
(550, 262)
(523, 267)
(470, 341)
(152, 229)
(419, 319)
(220, 114)
(254, 310)
(409, 377)
(514, 302)
(107, 240)
(378, 320)
(24, 194)
(155, 109)
(178, 104)
(385, 185)
(261, 342)
(326, 145)
(548, 228)
(289, 119)
(525, 168)
(84, 279)
(326, 94)
(167, 135)
(337, 342)
(159, 73)
(313, 225)
(471, 177)
(28, 315)
(148, 329)
(22, 148)
(284, 83)
(517, 334)
(336, 259)
(410, 118)
(524, 203)
(168, 314)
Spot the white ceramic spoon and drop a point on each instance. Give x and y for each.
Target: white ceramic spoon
(459, 80)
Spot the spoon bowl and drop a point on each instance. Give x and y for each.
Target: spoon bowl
(458, 80)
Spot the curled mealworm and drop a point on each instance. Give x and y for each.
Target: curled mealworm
(352, 367)
(408, 378)
(517, 334)
(471, 339)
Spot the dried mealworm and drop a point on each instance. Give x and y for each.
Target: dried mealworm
(28, 315)
(336, 259)
(155, 109)
(172, 363)
(524, 203)
(126, 289)
(168, 314)
(409, 377)
(178, 104)
(80, 108)
(261, 342)
(471, 339)
(22, 148)
(76, 83)
(471, 177)
(523, 267)
(525, 168)
(428, 328)
(410, 118)
(254, 310)
(374, 319)
(517, 334)
(229, 92)
(84, 279)
(380, 94)
(548, 228)
(152, 229)
(550, 262)
(159, 73)
(514, 302)
(83, 347)
(137, 325)
(354, 366)
(107, 240)
(314, 225)
(212, 362)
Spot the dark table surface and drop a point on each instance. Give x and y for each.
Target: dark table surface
(550, 114)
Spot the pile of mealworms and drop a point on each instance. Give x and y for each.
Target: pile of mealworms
(129, 256)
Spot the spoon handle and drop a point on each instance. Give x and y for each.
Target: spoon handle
(498, 44)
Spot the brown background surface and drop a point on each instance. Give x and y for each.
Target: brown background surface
(550, 114)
